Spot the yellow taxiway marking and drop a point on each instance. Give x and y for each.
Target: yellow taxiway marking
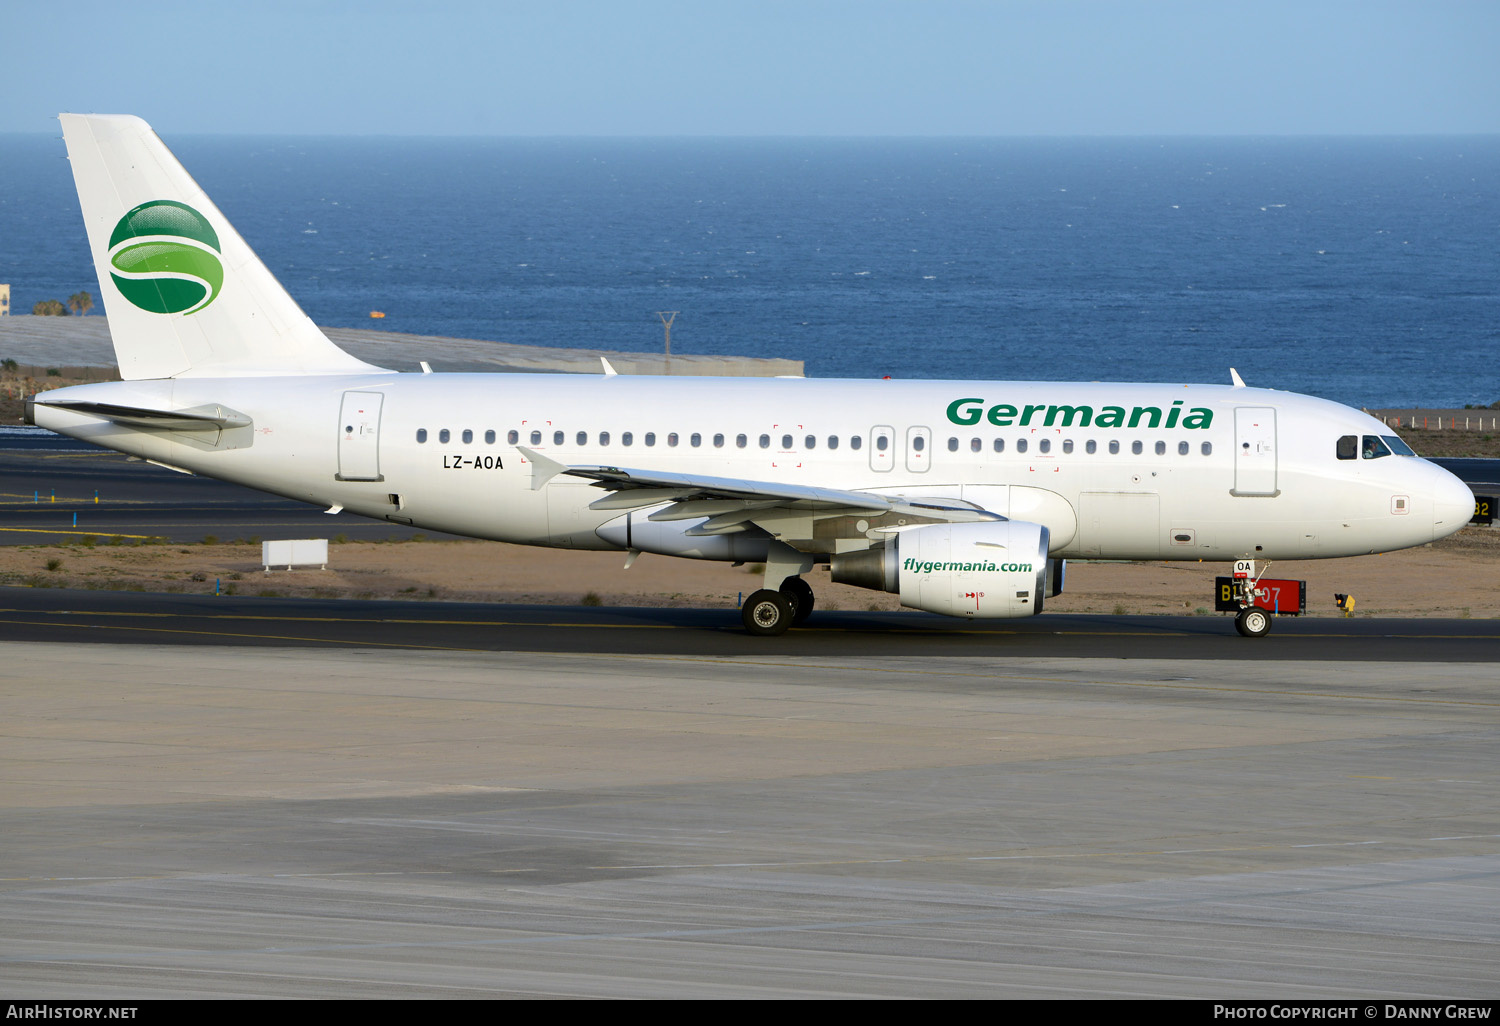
(250, 617)
(81, 534)
(254, 637)
(961, 857)
(800, 863)
(1163, 633)
(920, 631)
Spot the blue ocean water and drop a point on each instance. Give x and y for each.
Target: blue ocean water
(1362, 270)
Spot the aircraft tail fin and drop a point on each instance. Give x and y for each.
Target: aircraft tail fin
(184, 293)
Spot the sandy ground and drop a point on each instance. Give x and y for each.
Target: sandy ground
(1455, 578)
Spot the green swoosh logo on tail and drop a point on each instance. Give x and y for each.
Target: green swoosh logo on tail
(162, 276)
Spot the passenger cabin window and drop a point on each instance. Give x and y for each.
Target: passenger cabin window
(1114, 448)
(421, 434)
(468, 436)
(856, 442)
(627, 438)
(489, 437)
(583, 438)
(443, 435)
(513, 437)
(833, 441)
(1091, 447)
(1020, 445)
(999, 445)
(786, 442)
(557, 438)
(1044, 445)
(1347, 447)
(765, 441)
(1161, 448)
(1135, 447)
(536, 438)
(810, 442)
(1208, 448)
(882, 443)
(740, 441)
(672, 438)
(976, 445)
(1067, 445)
(1182, 448)
(650, 438)
(604, 438)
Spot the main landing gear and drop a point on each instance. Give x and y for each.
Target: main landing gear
(768, 613)
(786, 600)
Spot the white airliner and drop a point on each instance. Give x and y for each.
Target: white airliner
(964, 497)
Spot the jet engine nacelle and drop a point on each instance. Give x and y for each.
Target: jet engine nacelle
(984, 570)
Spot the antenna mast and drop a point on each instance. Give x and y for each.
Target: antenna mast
(667, 317)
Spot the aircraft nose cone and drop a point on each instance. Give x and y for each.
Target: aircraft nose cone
(1452, 505)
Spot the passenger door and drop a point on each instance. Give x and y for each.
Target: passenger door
(1254, 450)
(359, 437)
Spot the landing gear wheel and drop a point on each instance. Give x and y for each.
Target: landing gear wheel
(800, 594)
(767, 613)
(1253, 623)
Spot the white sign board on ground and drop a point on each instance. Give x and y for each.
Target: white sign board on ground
(295, 552)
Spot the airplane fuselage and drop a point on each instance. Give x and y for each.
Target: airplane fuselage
(1115, 471)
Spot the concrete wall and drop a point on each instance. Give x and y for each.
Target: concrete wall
(85, 342)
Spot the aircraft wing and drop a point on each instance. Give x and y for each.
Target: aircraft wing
(732, 503)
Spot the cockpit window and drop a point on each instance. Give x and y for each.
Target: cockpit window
(1348, 447)
(1398, 447)
(1373, 448)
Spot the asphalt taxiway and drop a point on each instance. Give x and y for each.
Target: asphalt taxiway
(128, 618)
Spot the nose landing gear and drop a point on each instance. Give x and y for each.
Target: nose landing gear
(1254, 598)
(1253, 623)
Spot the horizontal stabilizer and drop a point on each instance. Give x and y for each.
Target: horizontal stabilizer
(199, 418)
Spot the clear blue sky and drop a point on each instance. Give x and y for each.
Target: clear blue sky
(758, 67)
